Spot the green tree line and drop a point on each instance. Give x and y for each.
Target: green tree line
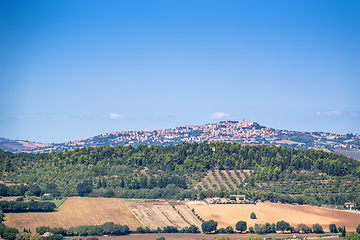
(155, 171)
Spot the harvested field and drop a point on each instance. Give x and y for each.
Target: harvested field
(159, 213)
(188, 215)
(229, 214)
(77, 211)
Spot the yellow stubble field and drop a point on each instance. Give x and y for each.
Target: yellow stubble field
(230, 214)
(77, 211)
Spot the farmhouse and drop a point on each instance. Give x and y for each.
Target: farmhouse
(350, 205)
(239, 197)
(232, 199)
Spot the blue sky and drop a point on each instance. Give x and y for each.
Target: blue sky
(75, 69)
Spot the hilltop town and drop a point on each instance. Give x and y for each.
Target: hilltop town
(243, 132)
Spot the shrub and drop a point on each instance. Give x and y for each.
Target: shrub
(333, 228)
(282, 226)
(10, 233)
(209, 226)
(42, 230)
(170, 229)
(317, 228)
(190, 229)
(58, 230)
(352, 236)
(54, 237)
(252, 215)
(302, 228)
(254, 238)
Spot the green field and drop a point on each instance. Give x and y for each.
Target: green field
(58, 202)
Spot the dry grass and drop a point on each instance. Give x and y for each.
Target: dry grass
(77, 211)
(188, 215)
(229, 214)
(159, 213)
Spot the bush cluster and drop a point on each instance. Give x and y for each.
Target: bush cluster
(31, 206)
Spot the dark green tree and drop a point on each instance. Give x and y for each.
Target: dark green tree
(209, 226)
(58, 230)
(333, 228)
(109, 228)
(252, 215)
(317, 228)
(282, 226)
(241, 226)
(193, 229)
(10, 233)
(343, 232)
(2, 216)
(54, 237)
(302, 228)
(358, 229)
(170, 229)
(229, 230)
(43, 229)
(84, 188)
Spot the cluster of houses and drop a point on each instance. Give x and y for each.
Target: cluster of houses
(233, 199)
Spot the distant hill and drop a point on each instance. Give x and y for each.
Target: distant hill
(243, 132)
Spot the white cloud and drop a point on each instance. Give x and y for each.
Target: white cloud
(330, 113)
(354, 115)
(114, 116)
(219, 115)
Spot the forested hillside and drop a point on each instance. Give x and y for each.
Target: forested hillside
(278, 173)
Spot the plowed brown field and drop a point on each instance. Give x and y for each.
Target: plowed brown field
(229, 214)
